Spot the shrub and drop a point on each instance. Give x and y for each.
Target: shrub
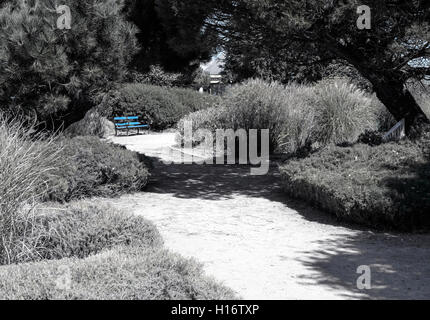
(155, 105)
(298, 116)
(27, 164)
(194, 100)
(157, 77)
(298, 131)
(209, 119)
(371, 138)
(343, 112)
(91, 167)
(108, 254)
(253, 105)
(92, 125)
(386, 186)
(82, 229)
(161, 107)
(123, 273)
(256, 104)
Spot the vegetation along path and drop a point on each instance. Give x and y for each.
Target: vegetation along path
(249, 235)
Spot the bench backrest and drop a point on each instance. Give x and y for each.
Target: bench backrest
(126, 118)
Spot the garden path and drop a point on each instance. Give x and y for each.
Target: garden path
(249, 235)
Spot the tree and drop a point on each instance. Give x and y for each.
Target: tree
(296, 38)
(172, 34)
(56, 73)
(202, 79)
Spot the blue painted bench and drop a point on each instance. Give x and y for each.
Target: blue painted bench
(129, 123)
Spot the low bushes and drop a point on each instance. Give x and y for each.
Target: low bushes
(78, 230)
(297, 116)
(91, 168)
(209, 119)
(161, 107)
(386, 186)
(123, 273)
(81, 250)
(101, 254)
(342, 112)
(257, 105)
(93, 124)
(194, 100)
(82, 229)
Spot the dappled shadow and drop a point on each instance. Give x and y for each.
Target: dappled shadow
(223, 182)
(410, 193)
(212, 182)
(400, 265)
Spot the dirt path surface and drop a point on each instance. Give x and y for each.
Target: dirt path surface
(250, 236)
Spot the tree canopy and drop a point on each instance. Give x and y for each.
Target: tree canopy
(172, 34)
(56, 73)
(296, 39)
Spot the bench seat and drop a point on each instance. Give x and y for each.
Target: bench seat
(127, 123)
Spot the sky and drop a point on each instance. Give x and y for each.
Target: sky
(216, 65)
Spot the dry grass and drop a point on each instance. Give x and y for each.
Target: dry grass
(343, 112)
(122, 273)
(298, 116)
(28, 161)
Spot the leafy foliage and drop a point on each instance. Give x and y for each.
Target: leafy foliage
(123, 273)
(384, 187)
(157, 76)
(161, 107)
(79, 230)
(55, 73)
(297, 116)
(172, 34)
(108, 254)
(343, 112)
(92, 168)
(285, 40)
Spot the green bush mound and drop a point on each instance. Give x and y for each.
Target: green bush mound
(78, 229)
(385, 186)
(161, 107)
(93, 124)
(194, 100)
(123, 273)
(81, 229)
(104, 254)
(92, 168)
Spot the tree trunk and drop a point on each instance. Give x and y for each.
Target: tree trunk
(393, 93)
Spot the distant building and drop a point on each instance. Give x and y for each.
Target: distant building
(215, 67)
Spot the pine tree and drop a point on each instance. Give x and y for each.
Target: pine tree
(292, 39)
(55, 73)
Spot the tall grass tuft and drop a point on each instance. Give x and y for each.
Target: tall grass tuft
(299, 127)
(27, 164)
(298, 116)
(257, 104)
(343, 112)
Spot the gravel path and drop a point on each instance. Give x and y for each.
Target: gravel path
(250, 236)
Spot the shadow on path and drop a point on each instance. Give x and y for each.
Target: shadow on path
(400, 265)
(223, 182)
